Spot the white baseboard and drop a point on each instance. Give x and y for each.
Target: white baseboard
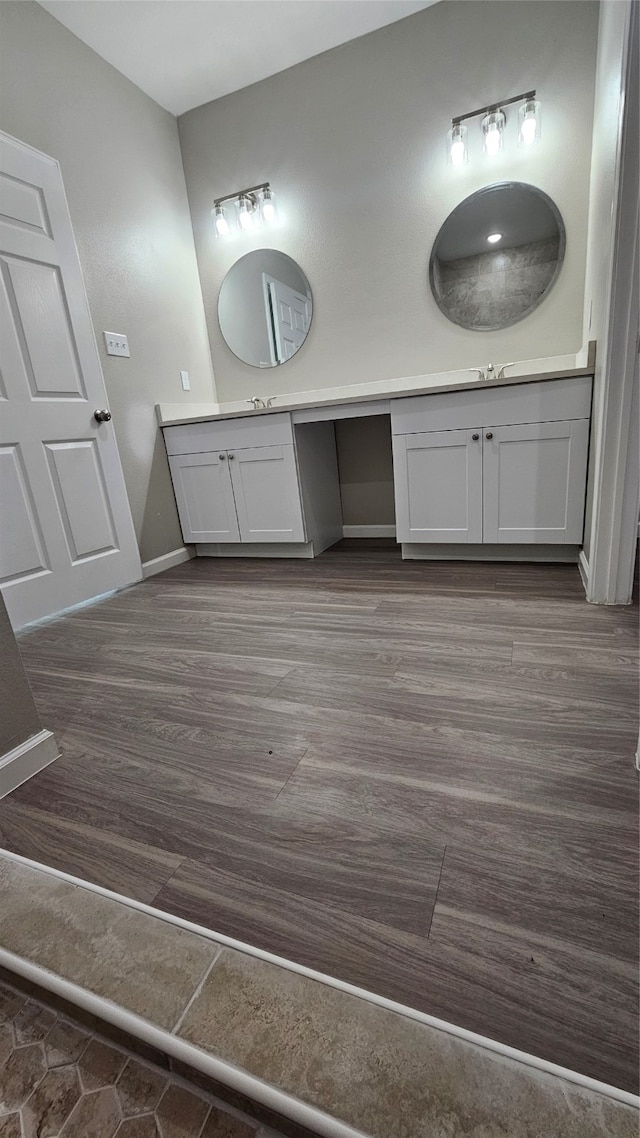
(166, 561)
(26, 760)
(583, 566)
(368, 531)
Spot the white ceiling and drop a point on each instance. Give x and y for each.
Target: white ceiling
(186, 52)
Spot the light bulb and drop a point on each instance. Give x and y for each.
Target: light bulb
(457, 141)
(493, 237)
(245, 215)
(492, 128)
(529, 115)
(492, 139)
(529, 130)
(457, 152)
(268, 207)
(222, 225)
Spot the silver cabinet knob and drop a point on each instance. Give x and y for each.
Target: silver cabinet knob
(231, 456)
(222, 457)
(102, 416)
(489, 434)
(475, 438)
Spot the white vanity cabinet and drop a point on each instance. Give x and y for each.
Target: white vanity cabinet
(533, 482)
(236, 481)
(496, 466)
(438, 486)
(204, 496)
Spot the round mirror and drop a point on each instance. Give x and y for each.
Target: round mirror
(497, 256)
(264, 308)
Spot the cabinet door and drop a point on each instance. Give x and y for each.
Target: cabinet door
(267, 494)
(202, 486)
(534, 482)
(438, 486)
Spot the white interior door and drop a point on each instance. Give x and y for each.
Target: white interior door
(438, 486)
(267, 493)
(291, 313)
(534, 482)
(65, 526)
(204, 497)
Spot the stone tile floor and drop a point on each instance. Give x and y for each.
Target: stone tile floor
(59, 1079)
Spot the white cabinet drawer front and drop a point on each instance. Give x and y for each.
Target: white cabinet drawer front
(546, 401)
(202, 486)
(534, 483)
(267, 494)
(438, 486)
(195, 438)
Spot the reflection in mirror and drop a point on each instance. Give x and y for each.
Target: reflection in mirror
(496, 256)
(265, 308)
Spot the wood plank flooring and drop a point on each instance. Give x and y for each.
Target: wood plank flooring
(415, 776)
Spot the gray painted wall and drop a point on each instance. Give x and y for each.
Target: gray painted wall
(353, 142)
(123, 176)
(19, 718)
(365, 465)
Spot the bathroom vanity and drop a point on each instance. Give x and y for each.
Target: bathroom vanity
(481, 469)
(483, 464)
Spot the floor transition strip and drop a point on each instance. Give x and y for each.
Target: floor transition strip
(329, 1058)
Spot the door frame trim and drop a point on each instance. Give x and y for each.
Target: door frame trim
(616, 496)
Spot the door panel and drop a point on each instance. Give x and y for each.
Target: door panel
(534, 482)
(438, 486)
(65, 523)
(204, 496)
(23, 206)
(40, 317)
(267, 494)
(78, 484)
(22, 545)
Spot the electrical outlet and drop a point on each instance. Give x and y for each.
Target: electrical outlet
(117, 344)
(184, 378)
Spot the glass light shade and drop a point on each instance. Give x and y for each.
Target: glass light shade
(246, 219)
(223, 228)
(493, 128)
(268, 207)
(493, 238)
(457, 145)
(529, 119)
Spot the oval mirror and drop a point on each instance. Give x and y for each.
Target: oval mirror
(265, 308)
(497, 256)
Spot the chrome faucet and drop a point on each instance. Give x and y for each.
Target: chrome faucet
(489, 372)
(259, 404)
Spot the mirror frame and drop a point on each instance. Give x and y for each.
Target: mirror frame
(559, 263)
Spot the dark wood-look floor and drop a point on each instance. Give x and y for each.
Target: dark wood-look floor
(417, 777)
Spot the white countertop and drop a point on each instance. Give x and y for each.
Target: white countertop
(526, 371)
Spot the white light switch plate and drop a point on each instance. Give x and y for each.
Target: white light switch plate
(184, 378)
(117, 344)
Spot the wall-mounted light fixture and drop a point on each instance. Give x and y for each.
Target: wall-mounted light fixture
(493, 121)
(246, 209)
